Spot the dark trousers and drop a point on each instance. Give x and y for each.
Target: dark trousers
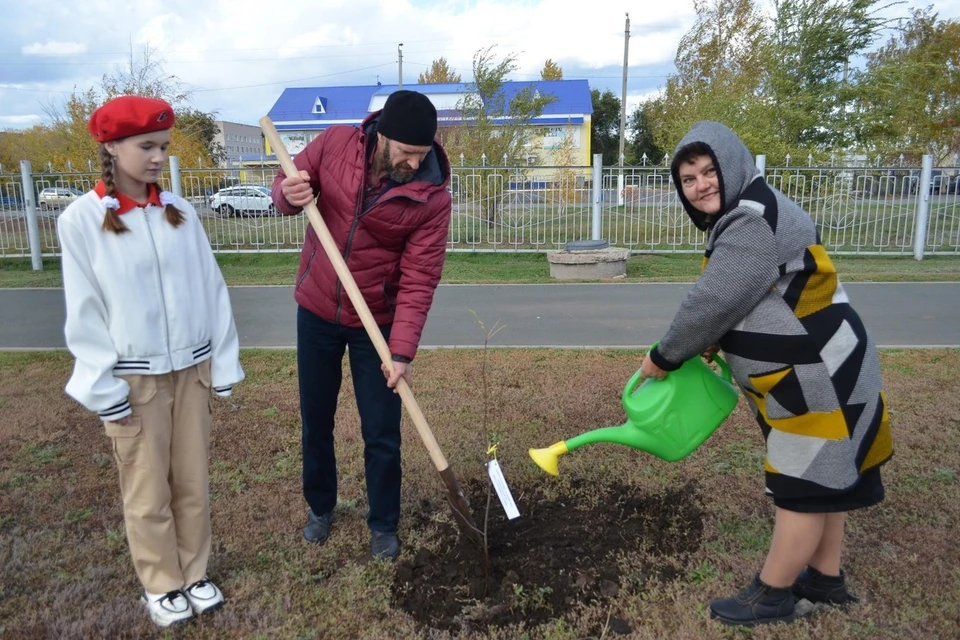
(320, 348)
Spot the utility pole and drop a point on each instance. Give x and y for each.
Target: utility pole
(623, 94)
(623, 108)
(400, 61)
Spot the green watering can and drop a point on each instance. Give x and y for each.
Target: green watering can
(668, 418)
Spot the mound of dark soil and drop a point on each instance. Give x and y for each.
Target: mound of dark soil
(557, 555)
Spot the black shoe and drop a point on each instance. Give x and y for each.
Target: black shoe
(318, 527)
(384, 545)
(819, 588)
(757, 603)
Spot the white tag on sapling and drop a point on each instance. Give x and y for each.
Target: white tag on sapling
(503, 491)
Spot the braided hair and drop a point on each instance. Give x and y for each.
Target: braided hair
(112, 221)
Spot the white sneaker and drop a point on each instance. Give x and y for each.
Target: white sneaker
(167, 608)
(204, 596)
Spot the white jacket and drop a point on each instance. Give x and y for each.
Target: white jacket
(146, 302)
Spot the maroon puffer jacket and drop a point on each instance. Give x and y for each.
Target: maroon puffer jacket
(395, 251)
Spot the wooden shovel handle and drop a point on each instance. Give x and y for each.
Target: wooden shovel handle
(373, 330)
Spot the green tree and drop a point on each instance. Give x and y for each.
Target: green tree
(641, 140)
(201, 127)
(807, 69)
(605, 126)
(73, 143)
(439, 73)
(497, 123)
(38, 144)
(65, 142)
(909, 91)
(719, 76)
(551, 71)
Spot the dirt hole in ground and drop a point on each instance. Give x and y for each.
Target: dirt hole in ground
(559, 554)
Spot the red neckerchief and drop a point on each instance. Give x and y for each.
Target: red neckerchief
(127, 203)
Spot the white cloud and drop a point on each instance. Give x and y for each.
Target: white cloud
(53, 48)
(634, 100)
(20, 121)
(238, 58)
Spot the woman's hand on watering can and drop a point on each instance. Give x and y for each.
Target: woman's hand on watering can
(650, 370)
(709, 352)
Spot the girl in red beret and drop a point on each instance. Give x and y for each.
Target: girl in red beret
(150, 325)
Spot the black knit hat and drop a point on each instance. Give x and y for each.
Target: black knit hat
(408, 117)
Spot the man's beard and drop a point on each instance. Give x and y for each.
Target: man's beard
(402, 174)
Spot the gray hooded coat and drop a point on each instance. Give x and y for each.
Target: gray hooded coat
(770, 297)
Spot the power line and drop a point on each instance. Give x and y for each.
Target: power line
(268, 84)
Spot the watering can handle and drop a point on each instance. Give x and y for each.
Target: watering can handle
(632, 383)
(724, 368)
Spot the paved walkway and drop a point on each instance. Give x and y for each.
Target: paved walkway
(561, 315)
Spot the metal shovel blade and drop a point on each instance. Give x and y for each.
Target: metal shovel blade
(461, 508)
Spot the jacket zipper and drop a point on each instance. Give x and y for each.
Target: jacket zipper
(386, 298)
(358, 213)
(307, 270)
(163, 301)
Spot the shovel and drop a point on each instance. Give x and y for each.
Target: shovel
(458, 502)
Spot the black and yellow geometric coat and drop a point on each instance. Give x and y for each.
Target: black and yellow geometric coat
(770, 297)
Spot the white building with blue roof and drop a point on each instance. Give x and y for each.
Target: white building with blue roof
(301, 114)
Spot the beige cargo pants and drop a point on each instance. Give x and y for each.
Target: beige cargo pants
(162, 457)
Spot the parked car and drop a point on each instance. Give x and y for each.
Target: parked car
(243, 199)
(939, 182)
(10, 201)
(945, 183)
(57, 197)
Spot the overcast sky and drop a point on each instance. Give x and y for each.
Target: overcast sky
(237, 56)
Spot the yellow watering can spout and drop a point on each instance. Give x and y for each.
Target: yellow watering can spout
(546, 459)
(667, 418)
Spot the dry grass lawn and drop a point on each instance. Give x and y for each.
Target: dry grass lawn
(65, 570)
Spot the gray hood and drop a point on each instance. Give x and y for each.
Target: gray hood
(736, 168)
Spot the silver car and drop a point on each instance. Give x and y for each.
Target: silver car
(57, 197)
(243, 199)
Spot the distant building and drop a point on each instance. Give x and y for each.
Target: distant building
(239, 140)
(301, 114)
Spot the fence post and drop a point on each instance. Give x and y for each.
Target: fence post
(175, 176)
(923, 207)
(597, 195)
(30, 210)
(620, 188)
(762, 165)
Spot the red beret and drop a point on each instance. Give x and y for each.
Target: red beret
(130, 116)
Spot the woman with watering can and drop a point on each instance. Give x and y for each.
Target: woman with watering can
(769, 297)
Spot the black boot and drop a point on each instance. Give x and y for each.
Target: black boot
(384, 545)
(757, 603)
(318, 527)
(819, 588)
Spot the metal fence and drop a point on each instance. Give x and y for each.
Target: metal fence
(859, 210)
